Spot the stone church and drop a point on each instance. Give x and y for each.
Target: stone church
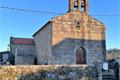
(73, 38)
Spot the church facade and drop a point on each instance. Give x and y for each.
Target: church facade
(73, 38)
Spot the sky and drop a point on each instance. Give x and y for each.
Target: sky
(25, 24)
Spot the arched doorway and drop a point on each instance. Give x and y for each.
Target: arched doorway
(80, 56)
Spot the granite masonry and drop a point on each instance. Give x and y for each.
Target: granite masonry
(72, 38)
(23, 50)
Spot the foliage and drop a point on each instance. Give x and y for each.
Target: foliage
(48, 72)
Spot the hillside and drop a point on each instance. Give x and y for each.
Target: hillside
(113, 54)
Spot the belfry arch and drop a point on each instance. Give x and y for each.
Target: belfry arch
(79, 5)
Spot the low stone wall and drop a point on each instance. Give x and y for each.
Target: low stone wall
(48, 72)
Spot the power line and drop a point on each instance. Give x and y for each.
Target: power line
(28, 10)
(35, 11)
(43, 12)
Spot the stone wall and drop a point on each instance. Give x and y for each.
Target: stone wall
(43, 44)
(76, 30)
(59, 39)
(48, 72)
(65, 51)
(24, 53)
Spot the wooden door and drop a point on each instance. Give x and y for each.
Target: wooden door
(80, 56)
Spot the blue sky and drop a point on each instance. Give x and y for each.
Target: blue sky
(24, 24)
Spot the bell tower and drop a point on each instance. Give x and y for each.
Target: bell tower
(78, 5)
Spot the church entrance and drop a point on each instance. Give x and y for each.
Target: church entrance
(80, 56)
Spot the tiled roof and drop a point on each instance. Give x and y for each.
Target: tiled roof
(14, 40)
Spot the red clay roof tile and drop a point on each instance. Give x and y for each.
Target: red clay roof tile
(22, 41)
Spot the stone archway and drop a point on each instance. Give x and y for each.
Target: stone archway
(80, 56)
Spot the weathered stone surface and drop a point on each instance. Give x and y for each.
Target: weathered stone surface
(68, 33)
(43, 44)
(66, 38)
(24, 53)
